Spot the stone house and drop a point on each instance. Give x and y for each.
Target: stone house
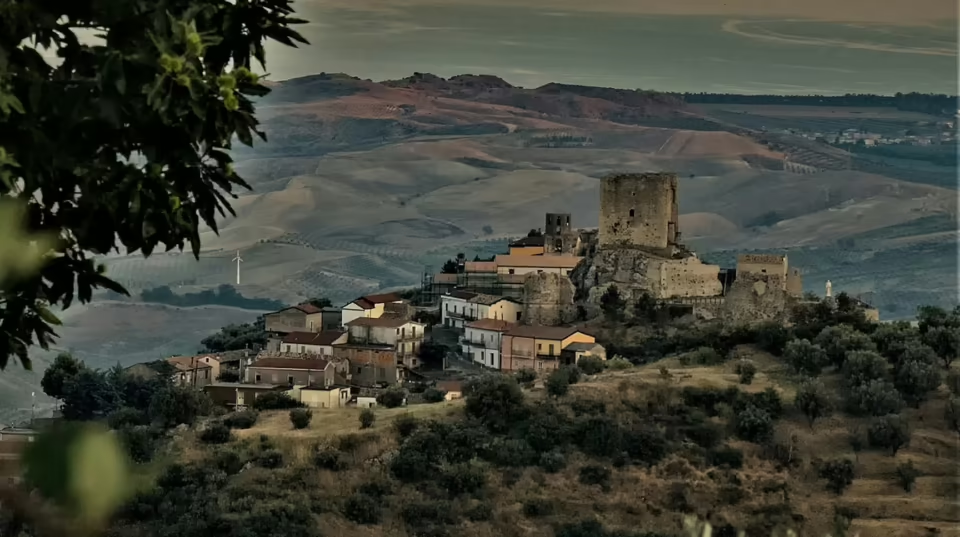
(370, 364)
(538, 348)
(370, 306)
(196, 371)
(403, 335)
(291, 372)
(299, 318)
(312, 343)
(482, 341)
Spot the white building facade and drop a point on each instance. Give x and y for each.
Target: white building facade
(482, 340)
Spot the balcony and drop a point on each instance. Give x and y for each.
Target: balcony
(461, 316)
(404, 338)
(493, 345)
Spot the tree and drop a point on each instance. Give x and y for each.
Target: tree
(320, 302)
(591, 365)
(175, 405)
(915, 381)
(805, 357)
(813, 401)
(861, 367)
(753, 424)
(124, 140)
(449, 267)
(392, 397)
(838, 473)
(907, 475)
(945, 341)
(89, 395)
(433, 395)
(874, 398)
(558, 383)
(890, 432)
(645, 309)
(746, 370)
(63, 369)
(612, 304)
(367, 417)
(496, 400)
(952, 413)
(837, 341)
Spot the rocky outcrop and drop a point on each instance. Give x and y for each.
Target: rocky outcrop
(754, 298)
(631, 270)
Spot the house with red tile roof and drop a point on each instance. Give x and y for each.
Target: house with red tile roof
(312, 343)
(370, 306)
(291, 372)
(482, 340)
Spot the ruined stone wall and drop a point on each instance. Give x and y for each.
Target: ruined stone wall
(794, 283)
(764, 264)
(638, 211)
(756, 298)
(689, 277)
(548, 300)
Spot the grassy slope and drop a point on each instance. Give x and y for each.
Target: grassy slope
(638, 498)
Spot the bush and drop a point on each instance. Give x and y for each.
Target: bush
(838, 473)
(772, 337)
(726, 456)
(127, 417)
(496, 400)
(875, 398)
(275, 401)
(480, 512)
(367, 417)
(405, 425)
(590, 365)
(270, 458)
(241, 420)
(837, 341)
(140, 442)
(953, 381)
(229, 462)
(362, 509)
(594, 474)
(300, 418)
(433, 395)
(463, 478)
(861, 367)
(378, 488)
(525, 376)
(907, 475)
(951, 413)
(889, 432)
(618, 363)
(916, 380)
(537, 507)
(805, 357)
(329, 459)
(558, 383)
(175, 405)
(813, 401)
(753, 424)
(702, 356)
(215, 433)
(553, 461)
(392, 397)
(746, 370)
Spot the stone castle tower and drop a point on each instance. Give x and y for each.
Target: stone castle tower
(640, 211)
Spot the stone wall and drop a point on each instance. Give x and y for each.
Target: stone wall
(639, 211)
(756, 298)
(689, 277)
(548, 300)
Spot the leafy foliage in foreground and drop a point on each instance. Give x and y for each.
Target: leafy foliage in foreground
(124, 141)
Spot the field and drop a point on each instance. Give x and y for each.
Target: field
(820, 119)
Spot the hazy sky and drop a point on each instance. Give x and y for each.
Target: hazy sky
(885, 11)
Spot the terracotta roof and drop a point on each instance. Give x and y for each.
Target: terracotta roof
(480, 266)
(496, 325)
(489, 300)
(462, 295)
(312, 338)
(538, 261)
(188, 363)
(544, 332)
(385, 322)
(580, 347)
(316, 364)
(308, 308)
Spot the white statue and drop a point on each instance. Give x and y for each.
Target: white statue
(829, 288)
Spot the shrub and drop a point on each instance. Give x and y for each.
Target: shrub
(463, 478)
(480, 512)
(703, 356)
(805, 357)
(746, 370)
(590, 365)
(558, 383)
(837, 341)
(553, 461)
(860, 367)
(731, 494)
(952, 413)
(646, 445)
(525, 376)
(329, 459)
(433, 395)
(392, 397)
(362, 509)
(127, 417)
(726, 456)
(813, 401)
(594, 474)
(753, 424)
(378, 488)
(140, 442)
(907, 475)
(706, 435)
(270, 458)
(768, 400)
(495, 400)
(367, 417)
(300, 418)
(889, 432)
(599, 436)
(405, 425)
(424, 514)
(175, 405)
(619, 363)
(537, 507)
(838, 473)
(215, 433)
(241, 420)
(953, 381)
(275, 401)
(874, 398)
(229, 462)
(772, 337)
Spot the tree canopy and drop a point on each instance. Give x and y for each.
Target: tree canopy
(124, 142)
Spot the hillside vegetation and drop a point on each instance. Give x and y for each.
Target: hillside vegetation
(834, 425)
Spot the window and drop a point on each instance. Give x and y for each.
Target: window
(518, 315)
(257, 378)
(290, 379)
(511, 271)
(551, 350)
(539, 346)
(631, 213)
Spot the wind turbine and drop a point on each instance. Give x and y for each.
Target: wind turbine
(238, 260)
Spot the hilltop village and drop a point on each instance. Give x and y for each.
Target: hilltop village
(524, 310)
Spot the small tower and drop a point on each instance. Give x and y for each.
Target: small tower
(557, 234)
